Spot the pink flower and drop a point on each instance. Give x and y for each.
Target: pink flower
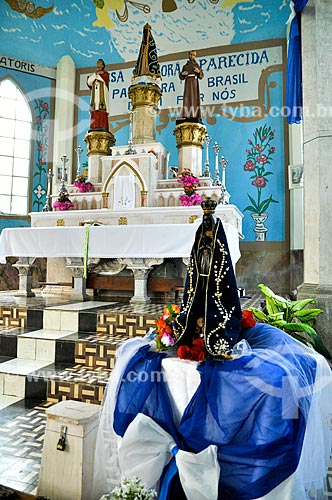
(262, 159)
(272, 149)
(259, 182)
(189, 201)
(249, 165)
(248, 151)
(188, 180)
(167, 340)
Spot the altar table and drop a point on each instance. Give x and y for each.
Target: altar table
(138, 246)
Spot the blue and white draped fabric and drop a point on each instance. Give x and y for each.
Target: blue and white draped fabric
(146, 449)
(268, 413)
(294, 98)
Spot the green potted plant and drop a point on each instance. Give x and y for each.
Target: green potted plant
(293, 317)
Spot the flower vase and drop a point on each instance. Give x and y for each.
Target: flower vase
(260, 230)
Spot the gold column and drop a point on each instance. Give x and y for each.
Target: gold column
(190, 142)
(144, 98)
(99, 142)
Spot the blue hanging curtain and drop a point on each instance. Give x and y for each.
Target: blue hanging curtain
(294, 98)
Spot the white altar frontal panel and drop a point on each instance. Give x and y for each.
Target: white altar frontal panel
(137, 241)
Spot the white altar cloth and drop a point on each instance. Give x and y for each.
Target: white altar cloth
(138, 241)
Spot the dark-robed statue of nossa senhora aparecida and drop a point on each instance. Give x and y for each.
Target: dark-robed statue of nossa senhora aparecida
(210, 307)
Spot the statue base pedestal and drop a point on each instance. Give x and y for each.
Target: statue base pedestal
(99, 142)
(190, 142)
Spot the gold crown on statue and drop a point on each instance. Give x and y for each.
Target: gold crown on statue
(209, 206)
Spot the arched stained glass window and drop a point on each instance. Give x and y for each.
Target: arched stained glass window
(15, 143)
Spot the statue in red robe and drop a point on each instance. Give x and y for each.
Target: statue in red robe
(98, 83)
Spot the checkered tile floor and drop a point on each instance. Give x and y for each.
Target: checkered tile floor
(22, 423)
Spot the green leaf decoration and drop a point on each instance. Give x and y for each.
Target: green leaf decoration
(300, 304)
(258, 314)
(307, 314)
(299, 327)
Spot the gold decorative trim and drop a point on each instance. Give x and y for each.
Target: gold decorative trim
(60, 222)
(144, 94)
(190, 134)
(104, 197)
(123, 221)
(192, 219)
(116, 169)
(99, 143)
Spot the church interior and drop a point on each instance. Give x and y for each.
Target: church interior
(165, 159)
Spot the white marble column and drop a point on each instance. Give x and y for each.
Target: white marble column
(24, 267)
(64, 116)
(317, 97)
(140, 268)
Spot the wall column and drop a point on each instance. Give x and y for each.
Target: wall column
(317, 98)
(64, 131)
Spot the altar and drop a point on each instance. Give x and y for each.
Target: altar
(137, 247)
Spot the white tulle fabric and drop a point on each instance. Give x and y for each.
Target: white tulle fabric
(308, 482)
(107, 472)
(146, 449)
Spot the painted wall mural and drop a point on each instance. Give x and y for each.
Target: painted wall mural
(259, 157)
(111, 29)
(241, 48)
(41, 154)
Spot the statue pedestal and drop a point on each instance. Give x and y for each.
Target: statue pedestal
(99, 143)
(144, 99)
(190, 142)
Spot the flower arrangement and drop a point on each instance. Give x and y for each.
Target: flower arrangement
(195, 353)
(163, 331)
(63, 202)
(164, 336)
(259, 156)
(82, 184)
(131, 489)
(189, 183)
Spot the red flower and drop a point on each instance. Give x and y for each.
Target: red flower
(248, 320)
(262, 159)
(184, 352)
(259, 182)
(198, 350)
(195, 353)
(249, 165)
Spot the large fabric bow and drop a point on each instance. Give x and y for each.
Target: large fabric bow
(146, 449)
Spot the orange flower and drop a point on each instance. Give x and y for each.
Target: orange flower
(161, 324)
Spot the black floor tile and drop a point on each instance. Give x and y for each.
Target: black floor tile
(35, 318)
(65, 351)
(8, 345)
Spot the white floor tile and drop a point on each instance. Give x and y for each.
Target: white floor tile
(22, 366)
(45, 350)
(26, 348)
(48, 334)
(69, 320)
(14, 385)
(79, 306)
(51, 320)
